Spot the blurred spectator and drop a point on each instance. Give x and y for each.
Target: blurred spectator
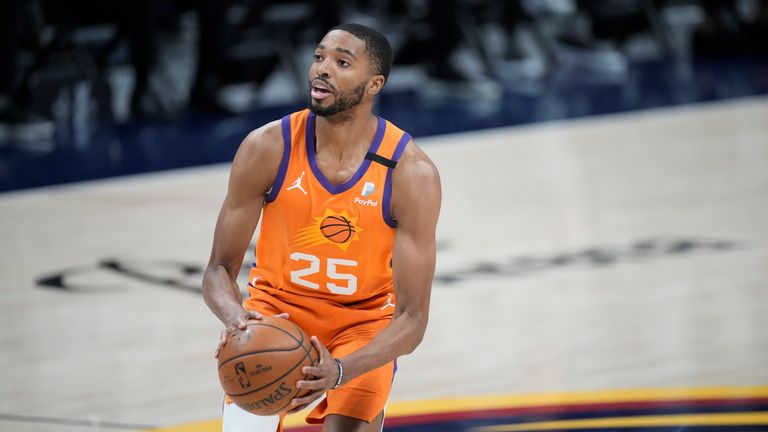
(17, 121)
(720, 33)
(211, 51)
(725, 31)
(758, 30)
(510, 17)
(138, 21)
(446, 36)
(562, 38)
(575, 35)
(434, 46)
(244, 41)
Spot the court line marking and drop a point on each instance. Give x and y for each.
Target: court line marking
(757, 418)
(572, 398)
(71, 422)
(448, 405)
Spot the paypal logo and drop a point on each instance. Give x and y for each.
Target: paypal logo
(368, 202)
(368, 188)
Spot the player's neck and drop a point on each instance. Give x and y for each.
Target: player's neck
(345, 132)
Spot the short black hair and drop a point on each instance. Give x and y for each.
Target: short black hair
(376, 45)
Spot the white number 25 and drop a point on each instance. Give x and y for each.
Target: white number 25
(314, 267)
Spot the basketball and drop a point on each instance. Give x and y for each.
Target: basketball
(259, 367)
(337, 229)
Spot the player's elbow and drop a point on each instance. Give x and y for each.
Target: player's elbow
(208, 285)
(418, 326)
(212, 280)
(209, 277)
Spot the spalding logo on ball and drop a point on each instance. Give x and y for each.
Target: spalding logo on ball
(259, 367)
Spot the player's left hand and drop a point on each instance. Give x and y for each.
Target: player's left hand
(322, 378)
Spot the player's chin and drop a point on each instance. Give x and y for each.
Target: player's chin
(319, 106)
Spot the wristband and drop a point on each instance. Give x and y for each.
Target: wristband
(341, 374)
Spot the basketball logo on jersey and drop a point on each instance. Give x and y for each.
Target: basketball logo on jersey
(335, 228)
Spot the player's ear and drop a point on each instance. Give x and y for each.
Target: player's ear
(375, 84)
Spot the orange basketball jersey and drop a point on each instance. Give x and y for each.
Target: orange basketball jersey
(329, 242)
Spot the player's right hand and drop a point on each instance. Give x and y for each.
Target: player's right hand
(240, 323)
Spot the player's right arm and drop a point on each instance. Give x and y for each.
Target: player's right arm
(253, 171)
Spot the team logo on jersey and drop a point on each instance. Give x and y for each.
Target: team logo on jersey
(339, 229)
(368, 188)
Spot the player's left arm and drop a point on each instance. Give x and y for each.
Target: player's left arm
(416, 197)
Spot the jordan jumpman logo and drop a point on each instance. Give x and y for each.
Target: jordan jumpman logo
(388, 303)
(297, 184)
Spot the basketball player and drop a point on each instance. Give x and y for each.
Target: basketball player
(348, 207)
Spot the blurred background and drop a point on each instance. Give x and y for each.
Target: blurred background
(91, 89)
(602, 245)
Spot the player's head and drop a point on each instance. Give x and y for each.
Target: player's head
(351, 65)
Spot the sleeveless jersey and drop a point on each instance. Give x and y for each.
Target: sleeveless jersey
(325, 241)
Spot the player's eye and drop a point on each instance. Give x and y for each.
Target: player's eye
(343, 63)
(318, 58)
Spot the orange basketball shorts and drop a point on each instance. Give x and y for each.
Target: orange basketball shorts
(342, 330)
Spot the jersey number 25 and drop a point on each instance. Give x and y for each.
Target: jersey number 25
(297, 276)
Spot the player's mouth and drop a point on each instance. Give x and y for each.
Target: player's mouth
(320, 90)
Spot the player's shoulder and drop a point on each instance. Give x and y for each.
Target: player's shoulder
(258, 159)
(267, 138)
(416, 189)
(412, 157)
(415, 166)
(261, 146)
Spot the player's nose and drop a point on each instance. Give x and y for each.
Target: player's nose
(321, 69)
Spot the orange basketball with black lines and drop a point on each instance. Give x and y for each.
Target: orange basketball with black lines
(259, 367)
(337, 229)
